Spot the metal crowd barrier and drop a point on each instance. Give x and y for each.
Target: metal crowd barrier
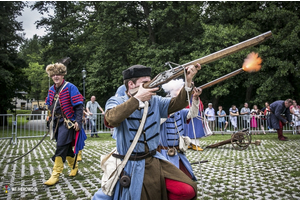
(7, 126)
(35, 125)
(99, 126)
(257, 124)
(31, 125)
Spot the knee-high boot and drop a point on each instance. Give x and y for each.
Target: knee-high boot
(79, 158)
(71, 161)
(57, 169)
(279, 133)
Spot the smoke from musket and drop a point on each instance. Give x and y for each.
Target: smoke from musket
(173, 87)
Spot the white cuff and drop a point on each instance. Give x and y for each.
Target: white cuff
(194, 110)
(188, 89)
(141, 104)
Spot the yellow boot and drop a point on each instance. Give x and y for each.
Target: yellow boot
(196, 148)
(79, 158)
(71, 161)
(57, 169)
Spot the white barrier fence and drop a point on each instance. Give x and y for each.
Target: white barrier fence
(35, 125)
(95, 124)
(7, 126)
(255, 123)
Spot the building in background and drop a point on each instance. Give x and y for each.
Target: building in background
(28, 104)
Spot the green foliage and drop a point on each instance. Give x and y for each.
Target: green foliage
(36, 74)
(107, 37)
(31, 51)
(11, 66)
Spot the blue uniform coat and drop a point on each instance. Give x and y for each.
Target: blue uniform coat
(124, 134)
(170, 137)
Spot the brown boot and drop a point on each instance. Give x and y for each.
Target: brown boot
(280, 135)
(71, 161)
(57, 169)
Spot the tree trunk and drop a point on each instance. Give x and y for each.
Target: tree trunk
(145, 6)
(215, 103)
(248, 93)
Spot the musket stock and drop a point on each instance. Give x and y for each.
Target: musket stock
(168, 75)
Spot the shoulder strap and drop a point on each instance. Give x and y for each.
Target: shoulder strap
(51, 123)
(134, 142)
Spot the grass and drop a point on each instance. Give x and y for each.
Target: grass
(229, 174)
(19, 112)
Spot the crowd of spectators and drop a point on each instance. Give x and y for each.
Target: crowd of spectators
(254, 119)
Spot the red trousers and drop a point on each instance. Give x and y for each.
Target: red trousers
(178, 190)
(280, 130)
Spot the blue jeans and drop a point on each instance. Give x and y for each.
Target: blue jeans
(93, 127)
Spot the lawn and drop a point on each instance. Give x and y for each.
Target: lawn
(268, 171)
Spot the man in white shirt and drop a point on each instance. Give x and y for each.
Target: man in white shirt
(210, 114)
(91, 108)
(246, 118)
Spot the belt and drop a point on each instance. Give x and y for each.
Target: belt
(137, 156)
(159, 148)
(57, 115)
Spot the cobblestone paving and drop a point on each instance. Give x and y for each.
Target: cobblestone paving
(269, 171)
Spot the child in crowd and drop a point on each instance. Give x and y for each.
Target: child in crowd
(221, 119)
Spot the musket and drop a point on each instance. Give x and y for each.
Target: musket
(175, 72)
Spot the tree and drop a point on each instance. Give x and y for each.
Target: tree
(32, 51)
(11, 66)
(232, 22)
(152, 33)
(63, 29)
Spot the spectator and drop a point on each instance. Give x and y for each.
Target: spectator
(221, 119)
(234, 112)
(210, 114)
(266, 105)
(295, 111)
(91, 108)
(267, 117)
(85, 120)
(255, 120)
(246, 118)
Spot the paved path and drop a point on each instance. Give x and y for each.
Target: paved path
(269, 171)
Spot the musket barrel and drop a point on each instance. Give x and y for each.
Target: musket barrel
(231, 50)
(158, 80)
(218, 80)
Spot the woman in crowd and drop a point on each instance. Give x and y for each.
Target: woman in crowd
(295, 111)
(234, 112)
(255, 120)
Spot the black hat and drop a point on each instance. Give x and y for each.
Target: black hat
(136, 71)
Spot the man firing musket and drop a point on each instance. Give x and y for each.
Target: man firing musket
(141, 172)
